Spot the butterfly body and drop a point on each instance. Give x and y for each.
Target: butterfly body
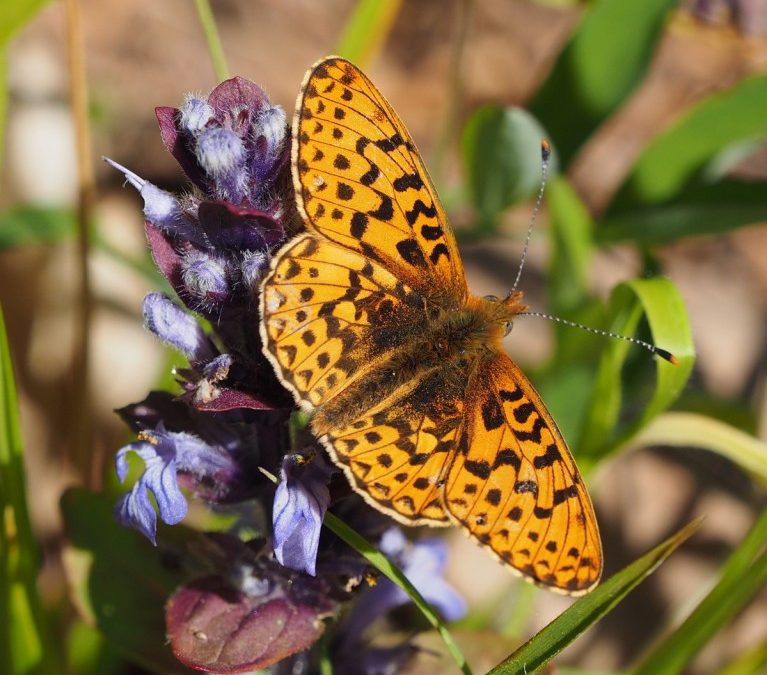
(368, 321)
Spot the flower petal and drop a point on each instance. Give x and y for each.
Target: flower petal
(177, 328)
(300, 503)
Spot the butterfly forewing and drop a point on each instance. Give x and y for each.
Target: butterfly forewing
(318, 305)
(360, 181)
(514, 485)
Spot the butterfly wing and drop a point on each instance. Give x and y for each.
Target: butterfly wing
(514, 486)
(329, 316)
(396, 453)
(360, 182)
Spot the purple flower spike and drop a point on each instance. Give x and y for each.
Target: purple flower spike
(232, 227)
(166, 454)
(177, 328)
(300, 503)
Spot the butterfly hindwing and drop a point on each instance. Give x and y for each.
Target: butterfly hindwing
(397, 452)
(360, 181)
(514, 485)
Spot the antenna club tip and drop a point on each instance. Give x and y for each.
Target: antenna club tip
(545, 150)
(668, 356)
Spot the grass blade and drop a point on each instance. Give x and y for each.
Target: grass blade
(552, 639)
(24, 643)
(366, 30)
(743, 575)
(662, 305)
(390, 571)
(686, 429)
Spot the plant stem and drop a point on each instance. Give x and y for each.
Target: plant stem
(81, 436)
(212, 38)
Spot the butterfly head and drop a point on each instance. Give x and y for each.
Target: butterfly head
(503, 310)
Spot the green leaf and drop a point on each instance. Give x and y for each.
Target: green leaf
(119, 582)
(743, 575)
(501, 150)
(570, 231)
(552, 639)
(605, 59)
(366, 30)
(681, 154)
(664, 310)
(13, 15)
(696, 210)
(691, 430)
(752, 662)
(25, 646)
(390, 571)
(28, 225)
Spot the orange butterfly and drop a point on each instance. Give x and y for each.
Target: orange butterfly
(367, 319)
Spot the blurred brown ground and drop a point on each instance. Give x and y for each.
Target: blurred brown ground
(144, 53)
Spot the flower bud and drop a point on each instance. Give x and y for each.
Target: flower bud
(195, 114)
(205, 277)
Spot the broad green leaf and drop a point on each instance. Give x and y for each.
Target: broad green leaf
(25, 646)
(501, 150)
(676, 157)
(118, 581)
(743, 575)
(552, 639)
(659, 300)
(691, 430)
(28, 225)
(570, 231)
(366, 30)
(605, 59)
(696, 210)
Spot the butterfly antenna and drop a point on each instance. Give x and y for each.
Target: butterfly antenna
(664, 354)
(545, 156)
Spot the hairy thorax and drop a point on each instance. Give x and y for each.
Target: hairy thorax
(435, 354)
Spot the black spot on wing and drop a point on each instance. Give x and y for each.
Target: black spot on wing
(420, 208)
(411, 252)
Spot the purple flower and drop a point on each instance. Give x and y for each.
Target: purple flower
(422, 562)
(165, 453)
(232, 145)
(177, 328)
(300, 503)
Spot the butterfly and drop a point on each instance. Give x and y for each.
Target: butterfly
(368, 321)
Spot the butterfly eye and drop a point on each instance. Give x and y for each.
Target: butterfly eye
(507, 328)
(440, 346)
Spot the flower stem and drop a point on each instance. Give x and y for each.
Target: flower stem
(216, 51)
(81, 436)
